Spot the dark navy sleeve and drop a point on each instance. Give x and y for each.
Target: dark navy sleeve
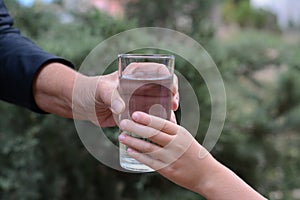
(20, 60)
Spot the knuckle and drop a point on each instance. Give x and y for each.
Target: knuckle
(148, 147)
(153, 134)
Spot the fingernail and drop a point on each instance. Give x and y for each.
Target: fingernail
(130, 150)
(135, 116)
(122, 137)
(117, 106)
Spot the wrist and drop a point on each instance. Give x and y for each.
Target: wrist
(52, 89)
(84, 98)
(208, 177)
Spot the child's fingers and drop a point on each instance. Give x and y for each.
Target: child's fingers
(138, 144)
(149, 149)
(152, 134)
(154, 157)
(146, 159)
(155, 122)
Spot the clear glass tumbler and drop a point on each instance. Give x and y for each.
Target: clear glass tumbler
(145, 84)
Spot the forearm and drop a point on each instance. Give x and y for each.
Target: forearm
(52, 89)
(20, 61)
(220, 183)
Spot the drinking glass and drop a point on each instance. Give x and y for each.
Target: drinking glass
(145, 84)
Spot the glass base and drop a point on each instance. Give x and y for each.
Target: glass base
(132, 164)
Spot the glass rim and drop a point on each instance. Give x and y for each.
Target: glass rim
(153, 56)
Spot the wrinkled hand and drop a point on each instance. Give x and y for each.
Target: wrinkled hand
(96, 99)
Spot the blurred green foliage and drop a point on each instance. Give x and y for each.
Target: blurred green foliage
(262, 85)
(190, 17)
(241, 12)
(41, 157)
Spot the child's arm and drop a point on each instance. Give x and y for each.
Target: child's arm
(177, 156)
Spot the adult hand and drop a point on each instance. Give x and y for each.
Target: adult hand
(60, 90)
(109, 102)
(98, 97)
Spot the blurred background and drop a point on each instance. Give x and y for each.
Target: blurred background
(256, 46)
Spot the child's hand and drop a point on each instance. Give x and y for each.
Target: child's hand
(174, 152)
(176, 155)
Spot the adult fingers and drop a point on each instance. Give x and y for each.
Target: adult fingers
(108, 94)
(175, 94)
(173, 118)
(117, 103)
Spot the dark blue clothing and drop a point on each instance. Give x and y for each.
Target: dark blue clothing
(20, 60)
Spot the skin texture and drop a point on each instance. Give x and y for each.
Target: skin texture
(53, 92)
(176, 155)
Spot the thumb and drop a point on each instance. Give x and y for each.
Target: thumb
(117, 103)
